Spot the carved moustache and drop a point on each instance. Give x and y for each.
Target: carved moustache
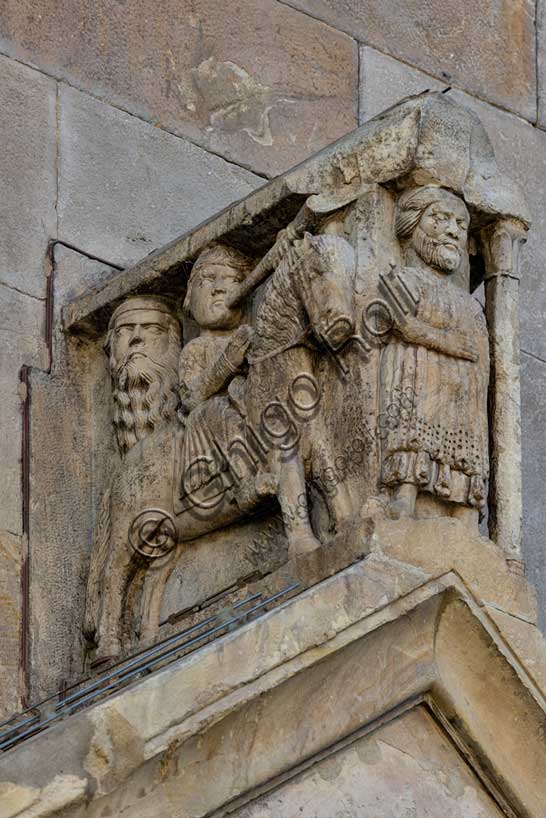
(438, 252)
(138, 368)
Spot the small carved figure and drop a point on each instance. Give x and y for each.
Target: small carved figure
(209, 362)
(143, 344)
(440, 355)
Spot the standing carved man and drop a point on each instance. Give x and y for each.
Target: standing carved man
(440, 355)
(143, 344)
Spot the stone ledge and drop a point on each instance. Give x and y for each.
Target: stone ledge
(438, 545)
(413, 636)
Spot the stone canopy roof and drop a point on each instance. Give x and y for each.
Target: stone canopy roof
(423, 139)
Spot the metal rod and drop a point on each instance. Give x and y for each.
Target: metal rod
(136, 665)
(14, 730)
(121, 668)
(150, 664)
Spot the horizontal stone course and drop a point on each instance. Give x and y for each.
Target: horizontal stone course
(126, 188)
(253, 80)
(28, 174)
(486, 48)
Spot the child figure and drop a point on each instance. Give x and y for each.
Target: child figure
(208, 364)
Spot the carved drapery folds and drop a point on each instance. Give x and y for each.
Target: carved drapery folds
(335, 366)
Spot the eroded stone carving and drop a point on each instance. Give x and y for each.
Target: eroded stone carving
(439, 355)
(143, 343)
(351, 385)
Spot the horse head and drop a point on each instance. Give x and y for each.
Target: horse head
(325, 281)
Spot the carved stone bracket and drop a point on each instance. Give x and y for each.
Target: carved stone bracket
(330, 363)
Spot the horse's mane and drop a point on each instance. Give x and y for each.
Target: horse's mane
(281, 314)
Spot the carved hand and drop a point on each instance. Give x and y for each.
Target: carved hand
(238, 344)
(188, 399)
(462, 346)
(454, 343)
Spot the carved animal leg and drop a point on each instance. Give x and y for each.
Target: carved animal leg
(293, 501)
(403, 504)
(152, 598)
(119, 571)
(343, 518)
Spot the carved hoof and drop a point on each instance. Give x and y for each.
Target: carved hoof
(303, 545)
(266, 484)
(106, 653)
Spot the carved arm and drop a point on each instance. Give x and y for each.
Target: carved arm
(453, 343)
(213, 379)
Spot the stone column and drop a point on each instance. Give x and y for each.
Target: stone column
(502, 243)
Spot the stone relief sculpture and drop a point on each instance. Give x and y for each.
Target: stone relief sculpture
(262, 410)
(439, 355)
(209, 363)
(143, 345)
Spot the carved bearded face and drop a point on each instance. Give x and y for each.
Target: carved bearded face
(441, 235)
(144, 346)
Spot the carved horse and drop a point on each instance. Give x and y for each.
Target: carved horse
(305, 310)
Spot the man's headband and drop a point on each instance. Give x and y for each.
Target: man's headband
(142, 303)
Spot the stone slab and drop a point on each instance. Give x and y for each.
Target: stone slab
(533, 423)
(22, 338)
(28, 173)
(404, 768)
(126, 188)
(487, 48)
(250, 80)
(541, 62)
(75, 274)
(527, 643)
(438, 545)
(11, 551)
(520, 150)
(338, 662)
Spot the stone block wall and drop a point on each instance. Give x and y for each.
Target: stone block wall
(124, 123)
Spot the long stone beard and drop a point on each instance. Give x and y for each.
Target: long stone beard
(145, 394)
(436, 253)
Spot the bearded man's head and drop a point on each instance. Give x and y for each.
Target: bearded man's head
(435, 222)
(143, 344)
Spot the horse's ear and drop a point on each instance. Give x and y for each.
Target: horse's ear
(307, 240)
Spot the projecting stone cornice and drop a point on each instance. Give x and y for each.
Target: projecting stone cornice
(351, 654)
(423, 139)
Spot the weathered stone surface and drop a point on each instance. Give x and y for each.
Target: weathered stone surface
(533, 422)
(126, 187)
(75, 274)
(541, 61)
(384, 81)
(489, 49)
(237, 720)
(437, 546)
(28, 173)
(22, 343)
(249, 80)
(405, 767)
(11, 553)
(526, 641)
(520, 150)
